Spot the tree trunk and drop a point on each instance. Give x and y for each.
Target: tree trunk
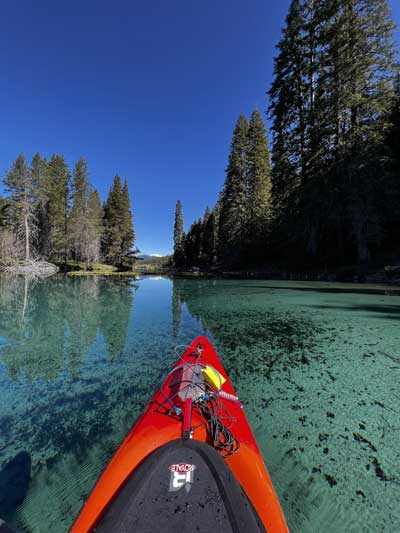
(27, 248)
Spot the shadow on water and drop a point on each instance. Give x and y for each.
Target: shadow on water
(383, 309)
(270, 337)
(332, 290)
(15, 478)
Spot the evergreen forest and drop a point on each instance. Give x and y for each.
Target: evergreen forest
(319, 188)
(324, 190)
(49, 213)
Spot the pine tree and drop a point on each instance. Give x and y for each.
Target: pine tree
(19, 186)
(216, 212)
(128, 232)
(94, 224)
(78, 220)
(39, 177)
(258, 175)
(288, 108)
(363, 54)
(363, 71)
(4, 212)
(233, 212)
(193, 244)
(179, 257)
(390, 199)
(112, 237)
(209, 237)
(9, 245)
(329, 106)
(393, 137)
(118, 236)
(58, 195)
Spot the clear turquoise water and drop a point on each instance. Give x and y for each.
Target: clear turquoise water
(316, 365)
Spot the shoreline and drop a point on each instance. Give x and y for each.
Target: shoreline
(373, 278)
(387, 277)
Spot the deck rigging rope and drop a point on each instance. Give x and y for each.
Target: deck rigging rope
(222, 436)
(214, 413)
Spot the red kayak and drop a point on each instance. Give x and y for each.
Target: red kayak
(189, 463)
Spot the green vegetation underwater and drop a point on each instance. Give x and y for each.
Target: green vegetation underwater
(315, 364)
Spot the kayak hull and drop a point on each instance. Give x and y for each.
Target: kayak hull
(159, 424)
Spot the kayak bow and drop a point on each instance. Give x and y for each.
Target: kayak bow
(190, 462)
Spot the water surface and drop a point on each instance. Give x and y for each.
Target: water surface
(316, 365)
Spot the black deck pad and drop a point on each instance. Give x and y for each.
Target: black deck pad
(183, 486)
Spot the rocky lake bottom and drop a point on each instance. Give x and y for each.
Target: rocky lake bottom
(317, 366)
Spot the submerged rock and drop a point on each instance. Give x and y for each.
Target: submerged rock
(40, 269)
(330, 479)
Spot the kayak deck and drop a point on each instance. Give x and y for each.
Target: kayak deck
(186, 407)
(210, 498)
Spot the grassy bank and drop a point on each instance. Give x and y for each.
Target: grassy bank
(77, 268)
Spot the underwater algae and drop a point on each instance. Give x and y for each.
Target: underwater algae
(316, 369)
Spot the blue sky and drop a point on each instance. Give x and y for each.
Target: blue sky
(148, 90)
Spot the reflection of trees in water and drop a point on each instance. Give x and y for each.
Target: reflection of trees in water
(176, 309)
(201, 298)
(115, 304)
(82, 319)
(252, 336)
(14, 295)
(24, 323)
(49, 324)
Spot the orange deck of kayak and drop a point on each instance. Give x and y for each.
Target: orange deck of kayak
(153, 429)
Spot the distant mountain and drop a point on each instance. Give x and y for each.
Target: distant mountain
(150, 257)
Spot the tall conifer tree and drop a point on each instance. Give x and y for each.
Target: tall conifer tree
(119, 236)
(287, 108)
(10, 247)
(193, 244)
(178, 236)
(112, 237)
(94, 227)
(258, 175)
(329, 105)
(361, 47)
(209, 237)
(4, 218)
(393, 137)
(58, 195)
(78, 220)
(18, 182)
(39, 180)
(128, 232)
(233, 212)
(390, 200)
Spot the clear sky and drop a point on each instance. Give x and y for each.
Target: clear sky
(148, 90)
